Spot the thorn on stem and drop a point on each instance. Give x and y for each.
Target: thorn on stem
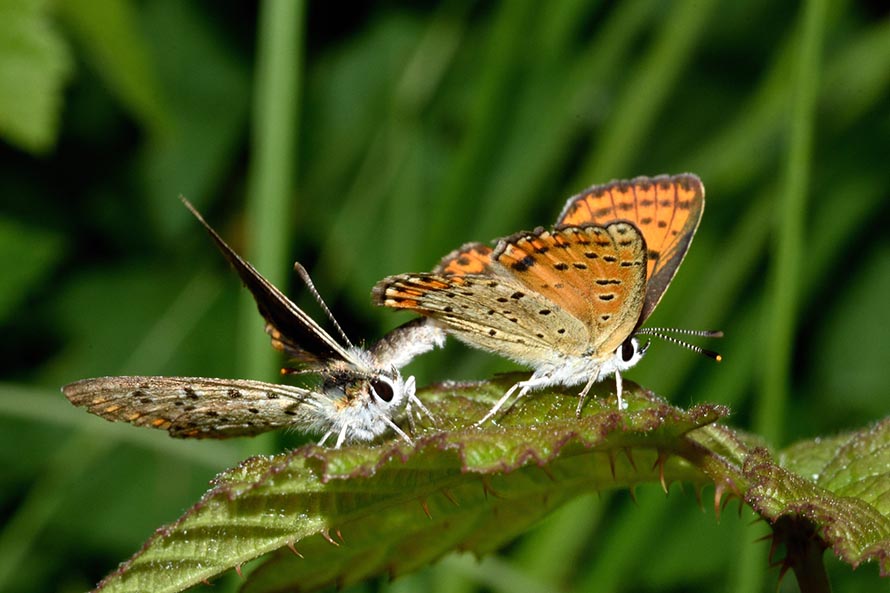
(659, 463)
(447, 494)
(718, 497)
(630, 457)
(487, 489)
(546, 470)
(327, 536)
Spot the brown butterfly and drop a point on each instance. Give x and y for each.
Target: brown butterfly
(359, 391)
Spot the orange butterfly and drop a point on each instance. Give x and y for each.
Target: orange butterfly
(567, 302)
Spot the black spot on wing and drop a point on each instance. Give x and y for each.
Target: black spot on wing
(524, 264)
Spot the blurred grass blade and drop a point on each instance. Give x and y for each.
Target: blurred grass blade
(644, 96)
(544, 132)
(271, 176)
(788, 251)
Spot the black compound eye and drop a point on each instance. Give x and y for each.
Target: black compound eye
(383, 389)
(628, 350)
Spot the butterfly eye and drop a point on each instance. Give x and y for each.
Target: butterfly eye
(383, 389)
(628, 349)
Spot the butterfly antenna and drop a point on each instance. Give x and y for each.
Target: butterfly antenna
(701, 333)
(658, 332)
(293, 371)
(304, 275)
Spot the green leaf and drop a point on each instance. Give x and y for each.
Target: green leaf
(340, 516)
(34, 65)
(838, 488)
(365, 510)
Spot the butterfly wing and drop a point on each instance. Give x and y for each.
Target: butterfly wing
(471, 258)
(595, 274)
(482, 311)
(291, 329)
(539, 297)
(195, 407)
(667, 210)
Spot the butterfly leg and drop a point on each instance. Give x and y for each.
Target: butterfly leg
(583, 395)
(325, 437)
(341, 437)
(523, 386)
(622, 405)
(416, 401)
(396, 429)
(409, 411)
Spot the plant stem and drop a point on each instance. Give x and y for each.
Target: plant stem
(273, 165)
(810, 571)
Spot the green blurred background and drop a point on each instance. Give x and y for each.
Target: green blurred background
(367, 139)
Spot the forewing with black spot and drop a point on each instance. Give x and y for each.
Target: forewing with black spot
(595, 274)
(667, 210)
(491, 312)
(471, 258)
(573, 292)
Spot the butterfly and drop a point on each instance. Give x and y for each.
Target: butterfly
(568, 302)
(359, 390)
